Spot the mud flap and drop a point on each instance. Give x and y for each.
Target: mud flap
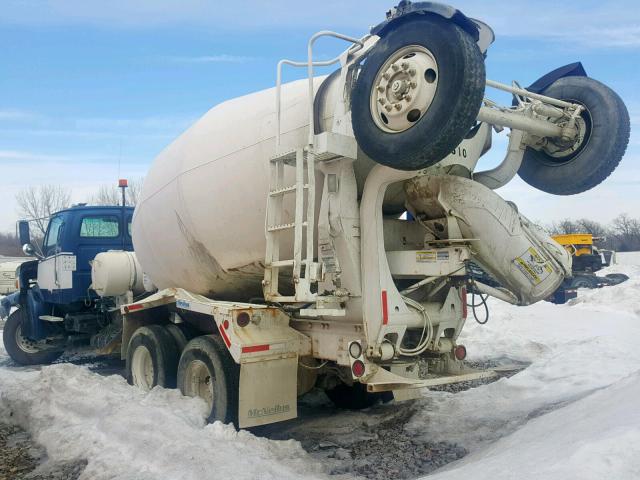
(268, 390)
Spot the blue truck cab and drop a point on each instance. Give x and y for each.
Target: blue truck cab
(55, 302)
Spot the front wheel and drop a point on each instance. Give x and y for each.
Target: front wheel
(604, 134)
(21, 349)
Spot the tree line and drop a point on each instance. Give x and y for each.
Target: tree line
(621, 235)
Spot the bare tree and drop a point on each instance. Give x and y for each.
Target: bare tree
(627, 232)
(111, 194)
(39, 203)
(564, 226)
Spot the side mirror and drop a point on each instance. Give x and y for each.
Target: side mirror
(28, 250)
(23, 232)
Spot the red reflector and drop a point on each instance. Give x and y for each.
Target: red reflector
(463, 297)
(123, 183)
(385, 308)
(255, 348)
(358, 368)
(136, 306)
(223, 333)
(225, 324)
(460, 352)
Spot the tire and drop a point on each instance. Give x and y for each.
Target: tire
(206, 370)
(453, 109)
(180, 335)
(356, 397)
(583, 282)
(152, 358)
(606, 138)
(616, 278)
(19, 348)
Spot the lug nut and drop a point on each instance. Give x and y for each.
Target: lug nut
(397, 106)
(382, 101)
(395, 67)
(386, 76)
(413, 84)
(405, 65)
(380, 88)
(412, 72)
(387, 108)
(407, 98)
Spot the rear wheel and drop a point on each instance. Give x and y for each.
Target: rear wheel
(21, 349)
(152, 358)
(604, 135)
(418, 93)
(206, 370)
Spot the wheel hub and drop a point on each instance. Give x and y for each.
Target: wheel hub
(23, 343)
(142, 368)
(404, 88)
(200, 383)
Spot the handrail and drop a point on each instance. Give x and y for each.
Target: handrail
(309, 64)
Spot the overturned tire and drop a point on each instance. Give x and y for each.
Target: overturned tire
(206, 370)
(418, 93)
(152, 358)
(605, 125)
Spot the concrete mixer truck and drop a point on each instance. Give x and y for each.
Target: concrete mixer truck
(317, 234)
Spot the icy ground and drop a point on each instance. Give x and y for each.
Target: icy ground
(573, 413)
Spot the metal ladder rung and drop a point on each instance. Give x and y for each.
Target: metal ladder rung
(282, 263)
(283, 190)
(284, 226)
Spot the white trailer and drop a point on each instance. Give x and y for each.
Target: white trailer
(273, 230)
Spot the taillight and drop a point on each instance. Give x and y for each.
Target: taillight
(460, 352)
(357, 368)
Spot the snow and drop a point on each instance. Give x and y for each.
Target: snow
(572, 413)
(127, 434)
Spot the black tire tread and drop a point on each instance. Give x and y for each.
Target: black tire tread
(213, 347)
(596, 162)
(164, 353)
(447, 121)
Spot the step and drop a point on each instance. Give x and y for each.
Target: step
(284, 226)
(283, 190)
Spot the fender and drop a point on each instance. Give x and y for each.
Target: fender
(406, 10)
(571, 70)
(30, 298)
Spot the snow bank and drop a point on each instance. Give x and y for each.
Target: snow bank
(125, 433)
(572, 413)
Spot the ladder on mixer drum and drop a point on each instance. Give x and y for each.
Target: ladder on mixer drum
(301, 226)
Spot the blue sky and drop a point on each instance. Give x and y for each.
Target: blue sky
(93, 89)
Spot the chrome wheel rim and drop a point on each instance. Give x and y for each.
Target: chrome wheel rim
(404, 89)
(23, 343)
